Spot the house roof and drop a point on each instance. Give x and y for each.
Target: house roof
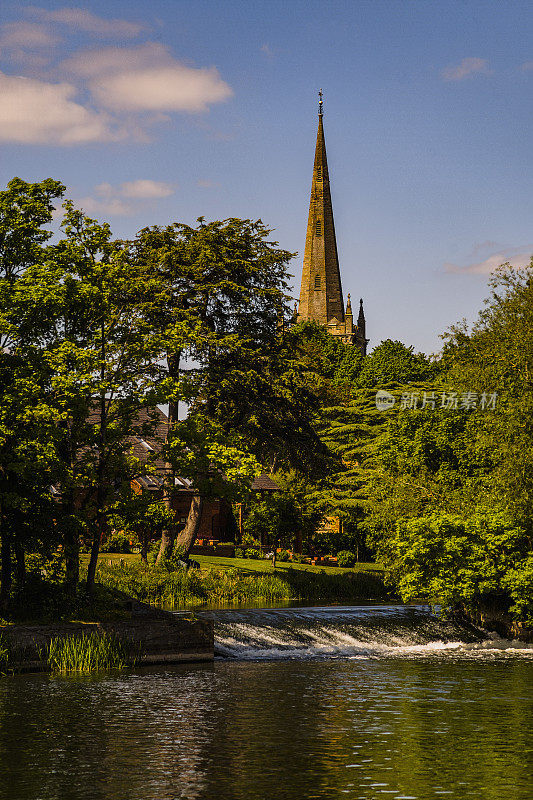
(147, 447)
(264, 483)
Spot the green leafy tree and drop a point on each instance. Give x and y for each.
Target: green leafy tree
(453, 497)
(107, 370)
(275, 521)
(26, 457)
(393, 362)
(462, 563)
(224, 284)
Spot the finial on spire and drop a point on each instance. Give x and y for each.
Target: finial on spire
(320, 103)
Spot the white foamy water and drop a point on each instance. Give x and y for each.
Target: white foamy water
(366, 632)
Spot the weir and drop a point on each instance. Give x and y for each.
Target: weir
(377, 631)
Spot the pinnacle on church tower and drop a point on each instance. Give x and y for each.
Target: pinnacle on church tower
(321, 290)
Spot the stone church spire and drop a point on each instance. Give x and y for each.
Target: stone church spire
(321, 291)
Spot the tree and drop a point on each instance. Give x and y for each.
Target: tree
(274, 520)
(224, 284)
(454, 494)
(393, 362)
(25, 454)
(92, 363)
(217, 466)
(108, 374)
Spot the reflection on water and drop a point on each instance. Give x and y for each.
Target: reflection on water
(426, 725)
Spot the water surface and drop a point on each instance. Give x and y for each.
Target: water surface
(313, 703)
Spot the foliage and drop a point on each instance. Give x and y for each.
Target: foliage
(94, 332)
(329, 365)
(117, 543)
(91, 652)
(452, 495)
(283, 556)
(273, 520)
(393, 362)
(179, 588)
(345, 558)
(453, 560)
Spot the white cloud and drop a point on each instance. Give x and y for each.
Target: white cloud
(267, 50)
(27, 43)
(26, 34)
(518, 257)
(147, 189)
(110, 60)
(36, 112)
(527, 66)
(206, 184)
(124, 199)
(112, 207)
(465, 69)
(148, 78)
(142, 188)
(82, 20)
(126, 90)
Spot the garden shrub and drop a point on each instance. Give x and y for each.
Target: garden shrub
(346, 558)
(117, 543)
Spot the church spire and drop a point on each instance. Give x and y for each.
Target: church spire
(321, 291)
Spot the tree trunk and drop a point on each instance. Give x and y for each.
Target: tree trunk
(72, 559)
(100, 524)
(71, 543)
(20, 569)
(95, 549)
(167, 536)
(101, 488)
(5, 572)
(173, 361)
(144, 546)
(187, 536)
(167, 545)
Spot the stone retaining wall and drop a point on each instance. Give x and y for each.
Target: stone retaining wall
(162, 638)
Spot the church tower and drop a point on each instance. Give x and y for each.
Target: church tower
(321, 297)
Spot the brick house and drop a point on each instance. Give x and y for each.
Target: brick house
(218, 520)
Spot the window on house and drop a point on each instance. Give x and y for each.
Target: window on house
(319, 227)
(145, 445)
(317, 281)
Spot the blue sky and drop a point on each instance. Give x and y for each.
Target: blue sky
(165, 111)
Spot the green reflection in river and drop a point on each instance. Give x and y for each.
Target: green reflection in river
(383, 728)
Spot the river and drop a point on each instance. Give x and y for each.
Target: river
(369, 702)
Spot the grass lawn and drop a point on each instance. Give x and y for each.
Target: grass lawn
(242, 564)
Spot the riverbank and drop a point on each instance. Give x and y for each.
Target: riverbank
(492, 619)
(217, 584)
(142, 636)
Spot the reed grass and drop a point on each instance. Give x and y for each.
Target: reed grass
(175, 589)
(91, 652)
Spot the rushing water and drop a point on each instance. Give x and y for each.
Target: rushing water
(380, 702)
